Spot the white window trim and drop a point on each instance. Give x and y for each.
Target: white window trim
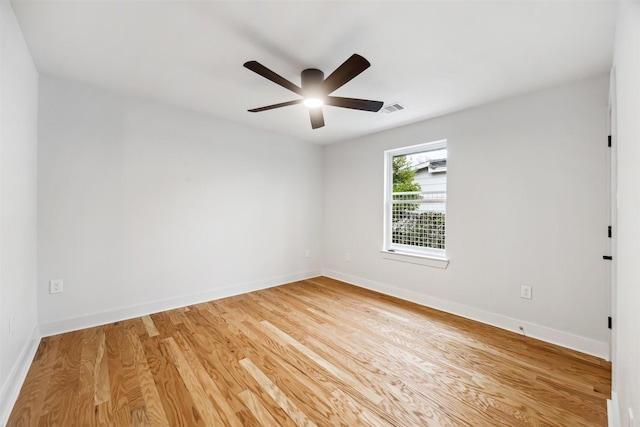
(427, 256)
(412, 258)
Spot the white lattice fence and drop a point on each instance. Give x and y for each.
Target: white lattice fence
(418, 219)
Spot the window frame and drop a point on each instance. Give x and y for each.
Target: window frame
(396, 251)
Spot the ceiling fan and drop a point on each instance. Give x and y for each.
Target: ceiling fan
(315, 89)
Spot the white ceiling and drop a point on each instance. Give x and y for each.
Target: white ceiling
(434, 57)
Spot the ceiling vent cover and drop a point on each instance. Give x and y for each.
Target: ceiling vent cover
(392, 108)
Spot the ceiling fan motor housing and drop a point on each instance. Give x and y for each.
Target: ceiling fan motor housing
(311, 79)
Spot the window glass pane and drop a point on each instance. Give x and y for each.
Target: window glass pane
(418, 217)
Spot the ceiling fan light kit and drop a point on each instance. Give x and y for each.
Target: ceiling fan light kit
(315, 89)
(313, 102)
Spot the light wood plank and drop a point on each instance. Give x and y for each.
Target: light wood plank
(210, 415)
(257, 409)
(285, 403)
(153, 405)
(176, 399)
(211, 389)
(344, 376)
(150, 326)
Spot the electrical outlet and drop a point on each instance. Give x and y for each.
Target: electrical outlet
(55, 286)
(306, 253)
(347, 256)
(525, 291)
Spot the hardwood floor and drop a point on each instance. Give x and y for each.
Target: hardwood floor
(312, 353)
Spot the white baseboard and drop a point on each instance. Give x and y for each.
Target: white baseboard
(613, 414)
(564, 339)
(103, 318)
(11, 389)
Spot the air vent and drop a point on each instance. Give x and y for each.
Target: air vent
(392, 108)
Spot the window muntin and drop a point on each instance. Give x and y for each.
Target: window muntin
(415, 199)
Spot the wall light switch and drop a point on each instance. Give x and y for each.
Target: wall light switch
(525, 291)
(55, 286)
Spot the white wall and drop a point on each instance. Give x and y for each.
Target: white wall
(626, 380)
(144, 207)
(18, 162)
(527, 204)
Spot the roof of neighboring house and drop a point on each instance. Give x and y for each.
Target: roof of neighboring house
(434, 163)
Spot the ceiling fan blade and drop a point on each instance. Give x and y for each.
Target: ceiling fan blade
(271, 107)
(354, 103)
(317, 119)
(345, 72)
(258, 68)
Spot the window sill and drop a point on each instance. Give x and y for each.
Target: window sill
(429, 261)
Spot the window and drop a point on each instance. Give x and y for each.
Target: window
(415, 200)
